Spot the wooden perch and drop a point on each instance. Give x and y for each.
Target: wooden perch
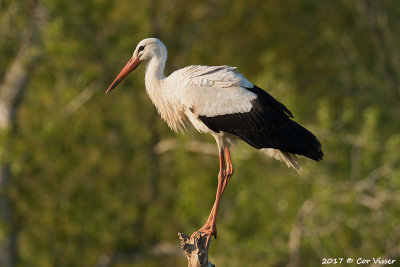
(195, 249)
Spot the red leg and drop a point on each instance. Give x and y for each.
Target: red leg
(226, 172)
(210, 227)
(229, 167)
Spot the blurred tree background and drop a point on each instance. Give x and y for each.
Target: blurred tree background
(95, 180)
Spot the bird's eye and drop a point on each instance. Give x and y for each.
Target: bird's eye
(141, 48)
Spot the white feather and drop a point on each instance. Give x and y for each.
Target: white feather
(289, 158)
(213, 91)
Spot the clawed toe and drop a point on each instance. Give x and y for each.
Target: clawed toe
(209, 230)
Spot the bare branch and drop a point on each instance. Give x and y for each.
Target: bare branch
(297, 232)
(196, 249)
(82, 98)
(11, 90)
(373, 176)
(13, 84)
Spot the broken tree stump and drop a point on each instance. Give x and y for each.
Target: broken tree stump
(196, 249)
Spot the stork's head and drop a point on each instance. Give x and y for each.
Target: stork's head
(145, 50)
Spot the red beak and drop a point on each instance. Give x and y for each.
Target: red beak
(130, 66)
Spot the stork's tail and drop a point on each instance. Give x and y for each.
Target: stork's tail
(289, 158)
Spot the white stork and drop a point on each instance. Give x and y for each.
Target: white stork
(220, 101)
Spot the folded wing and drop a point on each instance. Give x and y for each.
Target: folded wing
(226, 101)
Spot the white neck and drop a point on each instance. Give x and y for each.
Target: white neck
(155, 72)
(154, 77)
(160, 90)
(160, 95)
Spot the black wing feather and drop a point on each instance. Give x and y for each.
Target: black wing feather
(267, 125)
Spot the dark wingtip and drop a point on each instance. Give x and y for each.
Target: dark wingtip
(319, 155)
(316, 152)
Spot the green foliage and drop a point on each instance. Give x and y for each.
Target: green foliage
(89, 187)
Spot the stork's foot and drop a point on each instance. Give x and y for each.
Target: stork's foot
(209, 229)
